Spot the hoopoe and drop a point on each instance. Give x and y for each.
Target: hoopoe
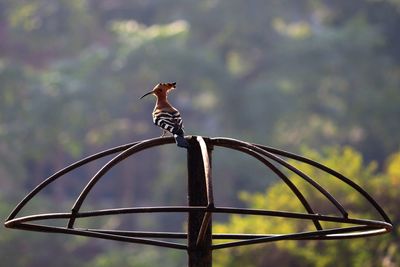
(165, 115)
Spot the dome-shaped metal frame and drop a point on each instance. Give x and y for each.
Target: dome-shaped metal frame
(270, 157)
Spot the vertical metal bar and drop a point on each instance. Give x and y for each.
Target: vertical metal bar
(199, 255)
(206, 155)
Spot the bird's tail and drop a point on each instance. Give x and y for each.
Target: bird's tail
(181, 141)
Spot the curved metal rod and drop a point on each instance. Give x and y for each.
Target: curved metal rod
(333, 173)
(123, 155)
(298, 236)
(174, 235)
(61, 172)
(330, 234)
(288, 182)
(229, 141)
(52, 229)
(363, 228)
(296, 215)
(368, 227)
(230, 236)
(184, 209)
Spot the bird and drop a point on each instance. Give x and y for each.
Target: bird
(165, 116)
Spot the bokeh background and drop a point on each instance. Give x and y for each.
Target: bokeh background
(316, 77)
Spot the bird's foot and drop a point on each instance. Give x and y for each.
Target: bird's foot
(163, 134)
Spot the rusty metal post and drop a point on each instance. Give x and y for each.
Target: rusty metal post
(199, 254)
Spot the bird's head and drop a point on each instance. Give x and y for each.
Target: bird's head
(161, 89)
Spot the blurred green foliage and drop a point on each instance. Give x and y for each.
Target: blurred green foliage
(311, 73)
(371, 251)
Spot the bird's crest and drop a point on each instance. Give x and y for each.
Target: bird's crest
(166, 86)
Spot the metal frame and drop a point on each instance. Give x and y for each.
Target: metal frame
(270, 157)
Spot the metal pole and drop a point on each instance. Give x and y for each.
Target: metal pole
(199, 254)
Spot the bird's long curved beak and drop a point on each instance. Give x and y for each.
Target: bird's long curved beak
(146, 94)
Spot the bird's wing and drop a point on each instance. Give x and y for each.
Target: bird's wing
(170, 121)
(177, 119)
